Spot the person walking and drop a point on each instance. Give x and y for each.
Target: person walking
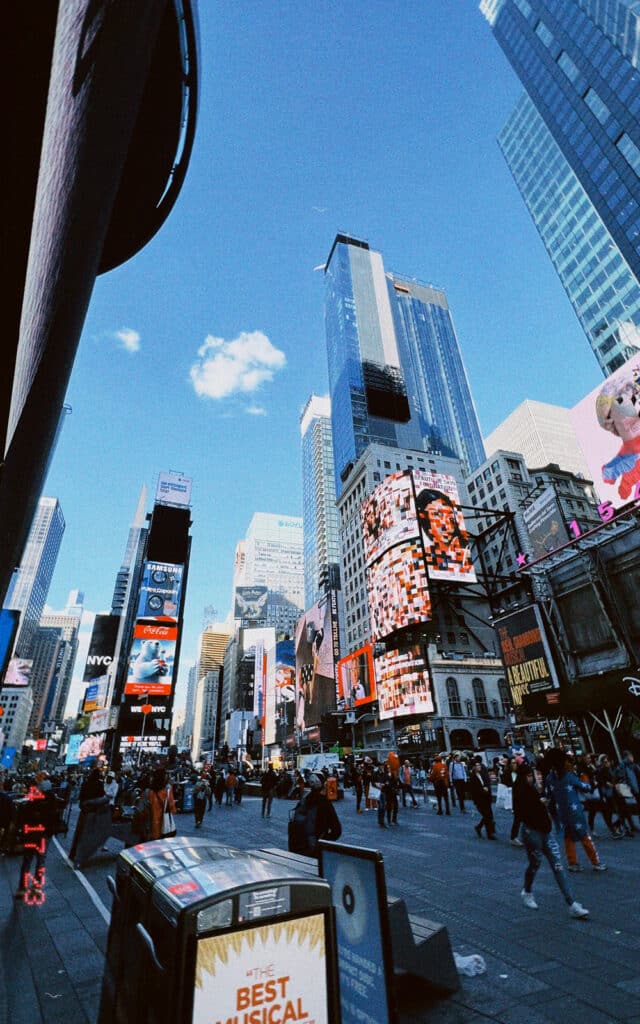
(320, 818)
(439, 777)
(407, 784)
(358, 787)
(161, 804)
(458, 776)
(391, 790)
(201, 796)
(508, 777)
(268, 783)
(539, 841)
(563, 787)
(111, 788)
(230, 783)
(480, 792)
(627, 786)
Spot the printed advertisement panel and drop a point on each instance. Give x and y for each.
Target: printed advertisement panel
(356, 679)
(251, 604)
(151, 659)
(526, 655)
(607, 426)
(388, 515)
(442, 527)
(96, 694)
(316, 656)
(102, 646)
(545, 524)
(160, 591)
(173, 488)
(273, 972)
(398, 590)
(403, 682)
(18, 672)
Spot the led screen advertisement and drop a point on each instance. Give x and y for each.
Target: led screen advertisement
(356, 679)
(160, 591)
(607, 426)
(285, 672)
(388, 515)
(151, 659)
(9, 620)
(398, 590)
(526, 655)
(403, 682)
(138, 731)
(18, 672)
(96, 694)
(317, 650)
(545, 524)
(82, 748)
(101, 646)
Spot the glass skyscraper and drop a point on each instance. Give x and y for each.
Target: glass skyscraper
(396, 375)
(321, 527)
(578, 61)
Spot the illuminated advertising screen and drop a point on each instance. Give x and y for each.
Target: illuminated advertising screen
(545, 524)
(607, 426)
(160, 589)
(9, 620)
(398, 590)
(356, 679)
(102, 646)
(151, 659)
(526, 654)
(150, 732)
(18, 672)
(251, 604)
(285, 672)
(272, 972)
(82, 747)
(96, 695)
(442, 527)
(403, 682)
(317, 650)
(388, 515)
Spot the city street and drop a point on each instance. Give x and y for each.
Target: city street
(542, 966)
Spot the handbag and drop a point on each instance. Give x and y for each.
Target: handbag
(624, 790)
(374, 793)
(168, 824)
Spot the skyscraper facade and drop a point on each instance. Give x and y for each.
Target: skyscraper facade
(396, 374)
(578, 61)
(542, 433)
(321, 528)
(272, 557)
(603, 291)
(30, 584)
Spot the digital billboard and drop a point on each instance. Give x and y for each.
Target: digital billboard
(607, 427)
(251, 604)
(9, 620)
(403, 682)
(545, 524)
(356, 679)
(526, 654)
(101, 646)
(151, 731)
(18, 672)
(96, 694)
(442, 527)
(173, 488)
(317, 650)
(160, 590)
(81, 747)
(398, 590)
(388, 515)
(151, 659)
(285, 672)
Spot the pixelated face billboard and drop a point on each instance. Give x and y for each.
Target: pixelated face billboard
(356, 679)
(151, 659)
(316, 656)
(607, 425)
(442, 527)
(398, 590)
(403, 682)
(388, 515)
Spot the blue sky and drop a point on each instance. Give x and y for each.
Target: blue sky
(198, 354)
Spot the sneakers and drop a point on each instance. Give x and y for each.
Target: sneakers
(528, 900)
(516, 842)
(577, 910)
(600, 867)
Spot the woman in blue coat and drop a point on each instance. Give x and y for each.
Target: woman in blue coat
(563, 788)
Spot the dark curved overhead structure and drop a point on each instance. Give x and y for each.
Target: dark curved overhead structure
(101, 114)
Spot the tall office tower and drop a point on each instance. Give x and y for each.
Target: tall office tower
(396, 375)
(272, 558)
(213, 644)
(30, 584)
(543, 434)
(577, 60)
(321, 528)
(136, 531)
(190, 703)
(205, 714)
(603, 291)
(51, 682)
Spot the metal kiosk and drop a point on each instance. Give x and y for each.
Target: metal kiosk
(233, 938)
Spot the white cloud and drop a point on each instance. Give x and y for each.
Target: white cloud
(256, 410)
(239, 366)
(127, 338)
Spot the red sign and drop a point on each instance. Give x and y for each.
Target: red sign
(41, 744)
(146, 708)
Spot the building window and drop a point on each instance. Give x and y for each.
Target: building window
(453, 697)
(596, 105)
(544, 34)
(569, 68)
(505, 696)
(630, 152)
(482, 708)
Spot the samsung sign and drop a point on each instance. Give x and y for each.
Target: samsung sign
(174, 488)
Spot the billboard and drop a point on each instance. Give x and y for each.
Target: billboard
(526, 655)
(398, 589)
(18, 672)
(607, 426)
(150, 732)
(151, 659)
(81, 747)
(545, 524)
(442, 527)
(9, 620)
(285, 672)
(96, 694)
(356, 679)
(403, 682)
(160, 589)
(317, 651)
(388, 515)
(101, 646)
(173, 488)
(251, 604)
(103, 720)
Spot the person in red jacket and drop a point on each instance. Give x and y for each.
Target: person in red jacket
(439, 777)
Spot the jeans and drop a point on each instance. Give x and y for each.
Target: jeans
(442, 793)
(267, 800)
(539, 845)
(460, 786)
(407, 790)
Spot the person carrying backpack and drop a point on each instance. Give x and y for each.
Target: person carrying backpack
(313, 818)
